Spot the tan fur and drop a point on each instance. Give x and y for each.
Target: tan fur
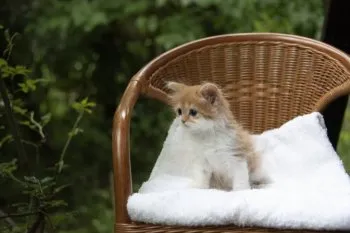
(184, 96)
(190, 96)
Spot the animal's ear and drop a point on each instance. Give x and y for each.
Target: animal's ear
(175, 86)
(210, 92)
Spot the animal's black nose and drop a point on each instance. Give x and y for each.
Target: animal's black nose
(183, 121)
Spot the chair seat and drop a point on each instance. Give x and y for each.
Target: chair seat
(139, 228)
(268, 78)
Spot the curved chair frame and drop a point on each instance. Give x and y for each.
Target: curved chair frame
(260, 69)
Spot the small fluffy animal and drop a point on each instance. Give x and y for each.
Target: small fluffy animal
(220, 152)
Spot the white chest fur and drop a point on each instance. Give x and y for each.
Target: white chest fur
(199, 156)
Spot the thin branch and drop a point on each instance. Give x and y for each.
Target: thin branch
(17, 180)
(16, 215)
(10, 44)
(9, 220)
(63, 153)
(40, 187)
(12, 122)
(70, 136)
(37, 223)
(50, 222)
(30, 206)
(39, 127)
(42, 226)
(35, 125)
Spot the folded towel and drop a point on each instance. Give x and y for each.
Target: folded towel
(310, 188)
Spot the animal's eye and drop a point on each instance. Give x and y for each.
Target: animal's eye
(193, 112)
(179, 111)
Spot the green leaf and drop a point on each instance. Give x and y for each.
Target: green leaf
(31, 179)
(75, 132)
(46, 180)
(22, 70)
(59, 218)
(19, 110)
(23, 87)
(27, 123)
(56, 203)
(77, 106)
(88, 111)
(5, 139)
(3, 62)
(91, 104)
(7, 36)
(84, 101)
(32, 192)
(60, 188)
(60, 165)
(84, 105)
(8, 167)
(28, 85)
(160, 3)
(46, 119)
(19, 204)
(140, 7)
(7, 71)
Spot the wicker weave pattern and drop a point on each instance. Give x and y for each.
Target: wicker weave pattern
(272, 81)
(268, 78)
(142, 228)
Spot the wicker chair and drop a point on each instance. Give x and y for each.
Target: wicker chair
(269, 79)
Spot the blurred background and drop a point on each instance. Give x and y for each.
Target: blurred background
(66, 63)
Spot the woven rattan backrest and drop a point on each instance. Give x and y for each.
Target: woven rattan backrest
(267, 78)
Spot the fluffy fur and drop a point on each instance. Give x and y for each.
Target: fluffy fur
(308, 189)
(219, 151)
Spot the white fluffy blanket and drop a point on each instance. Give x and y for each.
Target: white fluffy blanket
(310, 188)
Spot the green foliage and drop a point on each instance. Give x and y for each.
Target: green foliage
(92, 48)
(42, 190)
(84, 106)
(7, 168)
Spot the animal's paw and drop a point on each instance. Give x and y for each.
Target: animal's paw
(241, 186)
(199, 185)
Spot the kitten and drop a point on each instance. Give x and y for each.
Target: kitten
(220, 152)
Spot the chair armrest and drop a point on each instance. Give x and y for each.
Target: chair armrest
(121, 150)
